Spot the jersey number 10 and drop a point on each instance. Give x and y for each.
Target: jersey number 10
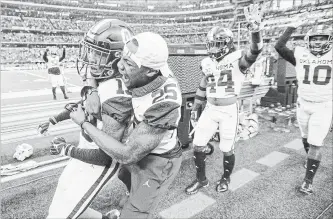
(316, 74)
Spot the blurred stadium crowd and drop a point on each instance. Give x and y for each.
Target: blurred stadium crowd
(29, 26)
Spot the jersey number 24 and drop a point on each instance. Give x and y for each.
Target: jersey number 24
(222, 82)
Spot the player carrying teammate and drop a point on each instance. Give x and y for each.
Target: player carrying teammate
(108, 97)
(224, 72)
(313, 64)
(151, 149)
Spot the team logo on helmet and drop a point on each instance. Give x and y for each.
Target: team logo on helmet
(101, 49)
(219, 42)
(319, 40)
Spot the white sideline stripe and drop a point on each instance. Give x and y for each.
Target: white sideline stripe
(46, 79)
(33, 104)
(272, 158)
(24, 116)
(188, 207)
(32, 133)
(33, 172)
(50, 103)
(240, 178)
(43, 92)
(295, 144)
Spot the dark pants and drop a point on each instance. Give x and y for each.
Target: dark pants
(150, 178)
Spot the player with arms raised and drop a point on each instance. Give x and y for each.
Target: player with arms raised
(224, 72)
(313, 65)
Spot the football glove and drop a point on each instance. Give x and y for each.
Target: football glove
(60, 146)
(43, 128)
(253, 16)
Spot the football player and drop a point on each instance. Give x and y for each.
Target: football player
(313, 65)
(224, 72)
(53, 68)
(91, 168)
(151, 148)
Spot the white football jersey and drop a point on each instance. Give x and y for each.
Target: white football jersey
(113, 92)
(225, 78)
(314, 75)
(160, 108)
(53, 61)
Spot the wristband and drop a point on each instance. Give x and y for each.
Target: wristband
(81, 124)
(68, 150)
(53, 120)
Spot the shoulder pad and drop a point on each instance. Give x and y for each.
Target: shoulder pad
(231, 57)
(207, 66)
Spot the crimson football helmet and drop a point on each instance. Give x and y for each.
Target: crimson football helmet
(220, 42)
(319, 47)
(101, 49)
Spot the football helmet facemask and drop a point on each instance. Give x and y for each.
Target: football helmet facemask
(101, 49)
(219, 42)
(319, 40)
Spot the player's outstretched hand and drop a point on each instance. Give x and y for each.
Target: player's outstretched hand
(43, 128)
(58, 146)
(253, 15)
(300, 19)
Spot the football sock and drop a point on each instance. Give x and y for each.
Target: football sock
(306, 144)
(200, 164)
(54, 89)
(228, 165)
(63, 91)
(311, 169)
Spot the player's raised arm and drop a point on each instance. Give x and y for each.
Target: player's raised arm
(281, 46)
(63, 54)
(45, 55)
(253, 16)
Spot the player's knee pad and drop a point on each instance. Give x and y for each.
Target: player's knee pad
(229, 153)
(200, 148)
(226, 145)
(314, 152)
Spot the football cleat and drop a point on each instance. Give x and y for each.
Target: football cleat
(195, 186)
(223, 185)
(305, 165)
(306, 188)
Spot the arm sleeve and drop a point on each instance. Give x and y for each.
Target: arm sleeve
(282, 49)
(200, 95)
(91, 156)
(119, 108)
(63, 115)
(45, 57)
(250, 56)
(164, 115)
(63, 55)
